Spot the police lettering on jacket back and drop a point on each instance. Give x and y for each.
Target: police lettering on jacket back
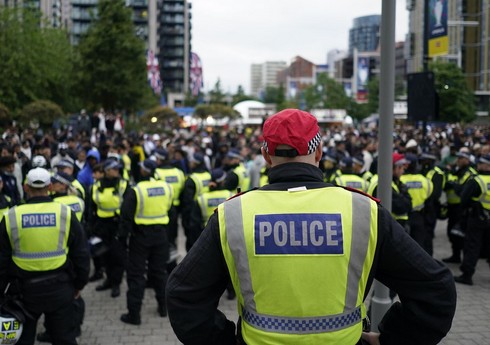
(298, 233)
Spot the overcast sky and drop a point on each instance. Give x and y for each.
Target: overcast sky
(230, 35)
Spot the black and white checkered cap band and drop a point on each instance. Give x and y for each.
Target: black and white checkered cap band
(312, 144)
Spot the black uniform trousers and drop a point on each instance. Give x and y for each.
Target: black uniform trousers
(54, 299)
(149, 248)
(454, 217)
(115, 258)
(418, 231)
(475, 235)
(173, 225)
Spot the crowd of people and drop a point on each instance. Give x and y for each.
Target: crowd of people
(111, 179)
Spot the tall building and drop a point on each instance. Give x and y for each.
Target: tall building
(255, 79)
(332, 57)
(300, 74)
(364, 35)
(264, 75)
(57, 12)
(174, 45)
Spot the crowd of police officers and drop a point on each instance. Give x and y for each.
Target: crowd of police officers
(128, 194)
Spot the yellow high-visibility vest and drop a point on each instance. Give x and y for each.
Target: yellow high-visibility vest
(373, 184)
(153, 200)
(299, 262)
(75, 203)
(484, 183)
(420, 189)
(351, 181)
(243, 177)
(38, 235)
(175, 177)
(201, 180)
(108, 200)
(209, 201)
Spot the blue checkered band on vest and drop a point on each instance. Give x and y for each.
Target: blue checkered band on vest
(310, 325)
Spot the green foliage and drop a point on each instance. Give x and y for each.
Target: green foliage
(112, 66)
(161, 118)
(456, 100)
(327, 94)
(216, 95)
(240, 96)
(4, 115)
(215, 110)
(43, 111)
(190, 100)
(373, 96)
(35, 61)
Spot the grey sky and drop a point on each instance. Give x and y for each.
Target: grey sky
(230, 35)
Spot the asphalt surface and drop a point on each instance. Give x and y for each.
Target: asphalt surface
(471, 325)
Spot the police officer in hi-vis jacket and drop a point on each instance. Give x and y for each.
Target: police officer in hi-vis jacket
(144, 216)
(302, 256)
(44, 256)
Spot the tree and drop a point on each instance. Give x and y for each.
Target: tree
(4, 115)
(216, 110)
(240, 96)
(216, 95)
(160, 117)
(373, 96)
(35, 60)
(42, 111)
(456, 100)
(112, 66)
(326, 93)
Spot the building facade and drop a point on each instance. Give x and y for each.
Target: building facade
(264, 75)
(364, 35)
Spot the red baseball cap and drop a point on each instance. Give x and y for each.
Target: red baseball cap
(399, 159)
(292, 127)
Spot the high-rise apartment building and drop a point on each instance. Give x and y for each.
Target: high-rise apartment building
(56, 12)
(255, 78)
(264, 75)
(364, 35)
(174, 44)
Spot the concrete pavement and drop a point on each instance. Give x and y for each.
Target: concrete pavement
(102, 326)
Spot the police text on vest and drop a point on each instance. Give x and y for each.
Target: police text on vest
(298, 234)
(37, 220)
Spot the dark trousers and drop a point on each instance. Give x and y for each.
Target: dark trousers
(55, 301)
(454, 217)
(147, 249)
(173, 225)
(417, 227)
(114, 259)
(473, 243)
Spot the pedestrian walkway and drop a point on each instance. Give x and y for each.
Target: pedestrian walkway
(103, 327)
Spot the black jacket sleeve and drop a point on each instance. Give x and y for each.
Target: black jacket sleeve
(128, 209)
(187, 202)
(194, 289)
(5, 256)
(78, 253)
(425, 286)
(401, 203)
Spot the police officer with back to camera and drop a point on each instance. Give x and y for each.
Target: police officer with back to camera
(196, 184)
(65, 193)
(175, 177)
(457, 215)
(144, 215)
(44, 256)
(302, 255)
(103, 218)
(476, 198)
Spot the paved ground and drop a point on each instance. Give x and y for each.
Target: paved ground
(471, 325)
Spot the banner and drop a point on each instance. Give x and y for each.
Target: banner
(362, 76)
(153, 72)
(196, 74)
(438, 38)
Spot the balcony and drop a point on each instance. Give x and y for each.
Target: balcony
(173, 30)
(173, 8)
(84, 2)
(137, 3)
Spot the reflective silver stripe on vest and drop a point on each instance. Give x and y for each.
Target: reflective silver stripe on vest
(233, 215)
(483, 187)
(14, 230)
(304, 325)
(361, 230)
(142, 204)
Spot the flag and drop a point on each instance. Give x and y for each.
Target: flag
(153, 72)
(196, 74)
